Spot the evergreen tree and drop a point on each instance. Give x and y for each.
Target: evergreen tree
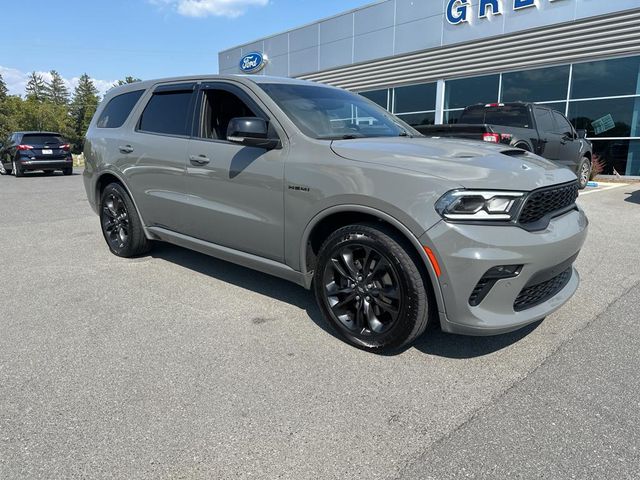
(3, 89)
(127, 80)
(56, 91)
(83, 106)
(36, 87)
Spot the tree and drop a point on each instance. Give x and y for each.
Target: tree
(36, 87)
(127, 80)
(83, 106)
(3, 89)
(56, 91)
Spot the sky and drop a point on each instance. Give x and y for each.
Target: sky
(112, 39)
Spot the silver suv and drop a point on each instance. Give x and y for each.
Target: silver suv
(324, 188)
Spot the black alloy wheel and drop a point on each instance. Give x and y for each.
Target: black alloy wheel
(121, 226)
(362, 289)
(115, 221)
(369, 286)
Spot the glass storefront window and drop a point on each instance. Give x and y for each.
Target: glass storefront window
(469, 91)
(452, 116)
(419, 119)
(381, 97)
(606, 78)
(621, 156)
(415, 98)
(542, 84)
(616, 117)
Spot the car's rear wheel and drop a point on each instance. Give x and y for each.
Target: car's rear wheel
(369, 287)
(584, 172)
(121, 225)
(17, 170)
(67, 171)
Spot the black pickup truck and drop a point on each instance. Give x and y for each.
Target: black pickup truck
(531, 127)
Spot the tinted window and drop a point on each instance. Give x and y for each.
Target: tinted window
(118, 109)
(41, 139)
(545, 120)
(538, 85)
(469, 91)
(168, 113)
(453, 116)
(617, 117)
(563, 125)
(419, 119)
(415, 98)
(378, 96)
(606, 78)
(510, 116)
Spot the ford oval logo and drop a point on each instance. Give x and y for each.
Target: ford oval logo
(253, 62)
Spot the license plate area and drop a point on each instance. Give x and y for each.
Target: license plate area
(47, 152)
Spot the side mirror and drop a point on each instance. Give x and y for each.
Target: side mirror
(581, 133)
(251, 132)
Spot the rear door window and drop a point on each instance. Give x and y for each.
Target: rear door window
(563, 125)
(169, 112)
(545, 120)
(118, 109)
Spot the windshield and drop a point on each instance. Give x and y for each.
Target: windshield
(333, 114)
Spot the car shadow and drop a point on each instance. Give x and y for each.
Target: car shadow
(433, 342)
(633, 197)
(52, 174)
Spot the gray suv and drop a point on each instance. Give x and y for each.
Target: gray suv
(324, 188)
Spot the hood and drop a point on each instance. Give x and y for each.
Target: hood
(470, 164)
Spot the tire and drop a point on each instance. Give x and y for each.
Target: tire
(17, 171)
(523, 146)
(584, 173)
(67, 171)
(120, 223)
(362, 310)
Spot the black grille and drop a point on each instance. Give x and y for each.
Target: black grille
(536, 294)
(542, 203)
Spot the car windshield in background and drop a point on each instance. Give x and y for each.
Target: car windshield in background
(41, 139)
(331, 114)
(509, 116)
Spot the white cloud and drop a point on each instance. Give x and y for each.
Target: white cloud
(16, 81)
(205, 8)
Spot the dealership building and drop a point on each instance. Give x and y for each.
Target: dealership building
(425, 60)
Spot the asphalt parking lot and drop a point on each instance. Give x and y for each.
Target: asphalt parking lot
(177, 365)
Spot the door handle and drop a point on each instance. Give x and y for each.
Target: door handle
(199, 160)
(125, 149)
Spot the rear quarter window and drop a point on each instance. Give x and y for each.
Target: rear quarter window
(118, 110)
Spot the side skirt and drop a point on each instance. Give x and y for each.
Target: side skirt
(248, 260)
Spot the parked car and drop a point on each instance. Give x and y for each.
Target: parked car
(31, 151)
(534, 128)
(324, 188)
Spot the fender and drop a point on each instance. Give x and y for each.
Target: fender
(117, 174)
(387, 218)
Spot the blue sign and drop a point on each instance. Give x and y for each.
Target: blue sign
(253, 62)
(458, 10)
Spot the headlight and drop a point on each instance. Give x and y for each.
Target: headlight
(479, 205)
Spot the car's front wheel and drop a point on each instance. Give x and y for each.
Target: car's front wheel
(584, 172)
(369, 286)
(121, 225)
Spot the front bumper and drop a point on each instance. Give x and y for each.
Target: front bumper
(58, 164)
(467, 252)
